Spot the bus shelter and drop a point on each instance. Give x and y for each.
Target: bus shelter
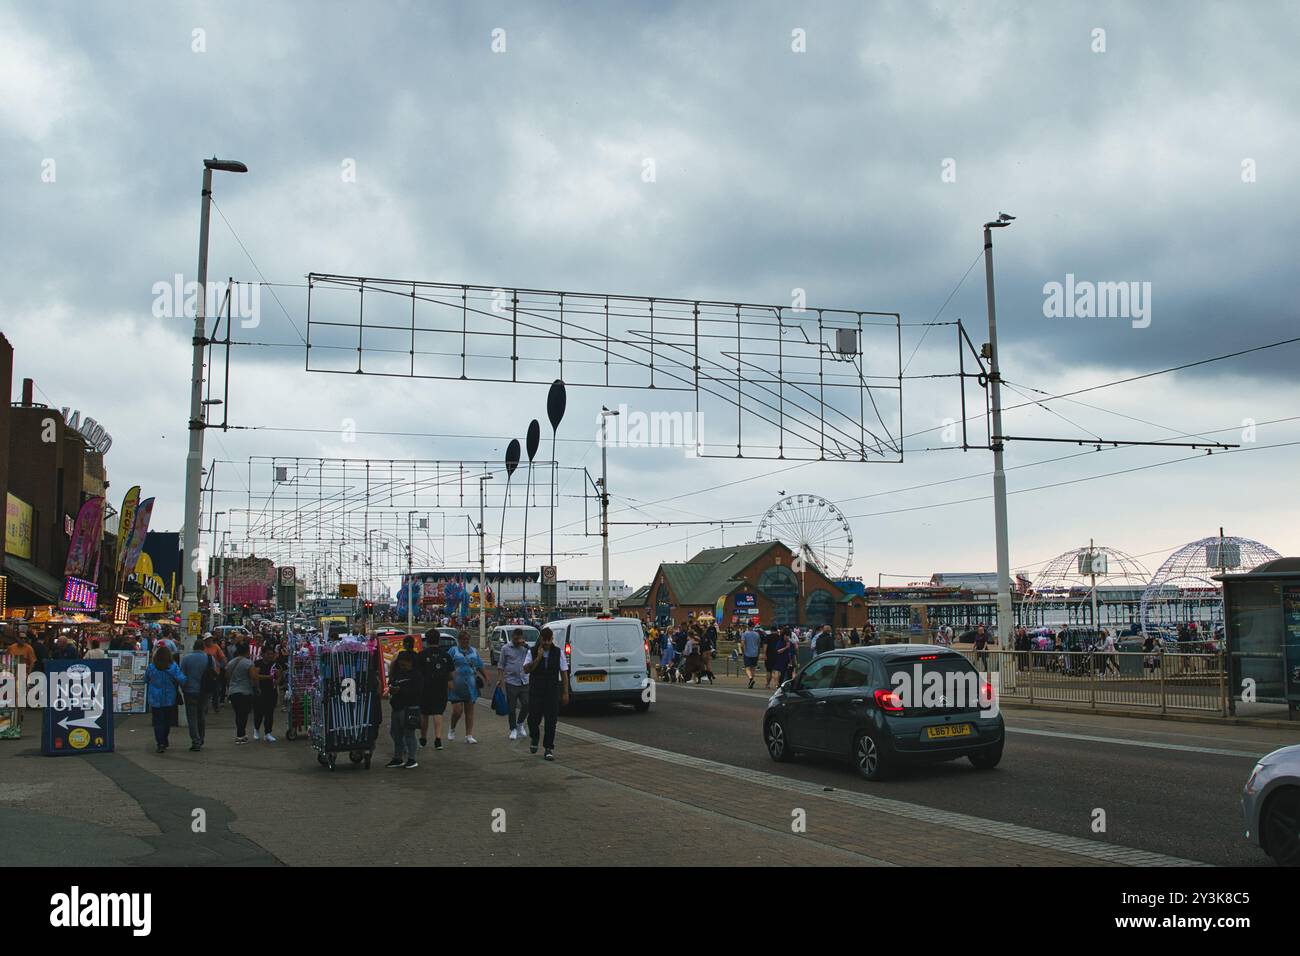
(1262, 629)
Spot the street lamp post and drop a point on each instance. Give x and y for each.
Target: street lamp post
(410, 611)
(999, 474)
(194, 458)
(482, 567)
(605, 415)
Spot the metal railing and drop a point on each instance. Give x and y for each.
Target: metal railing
(1159, 681)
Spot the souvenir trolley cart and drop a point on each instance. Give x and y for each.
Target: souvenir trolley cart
(301, 684)
(11, 717)
(343, 702)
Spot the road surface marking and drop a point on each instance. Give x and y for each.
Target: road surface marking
(1153, 744)
(1042, 839)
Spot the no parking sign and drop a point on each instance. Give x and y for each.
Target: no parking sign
(78, 708)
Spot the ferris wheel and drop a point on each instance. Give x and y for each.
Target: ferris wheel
(814, 529)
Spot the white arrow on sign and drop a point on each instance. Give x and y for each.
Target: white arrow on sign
(89, 718)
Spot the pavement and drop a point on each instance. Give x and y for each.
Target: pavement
(688, 783)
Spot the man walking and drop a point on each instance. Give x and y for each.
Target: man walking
(436, 672)
(749, 644)
(548, 687)
(825, 640)
(200, 678)
(511, 676)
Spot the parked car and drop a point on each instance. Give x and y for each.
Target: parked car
(849, 704)
(1270, 802)
(501, 633)
(446, 637)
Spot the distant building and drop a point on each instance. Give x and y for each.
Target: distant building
(757, 581)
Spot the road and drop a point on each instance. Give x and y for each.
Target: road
(1160, 791)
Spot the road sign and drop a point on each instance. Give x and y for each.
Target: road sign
(288, 576)
(347, 590)
(79, 708)
(548, 574)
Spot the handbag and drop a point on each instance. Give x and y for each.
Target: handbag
(411, 719)
(499, 705)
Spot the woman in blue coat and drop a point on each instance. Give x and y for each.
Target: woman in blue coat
(163, 680)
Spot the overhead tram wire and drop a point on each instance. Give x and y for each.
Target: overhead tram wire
(1075, 481)
(934, 321)
(258, 270)
(1125, 381)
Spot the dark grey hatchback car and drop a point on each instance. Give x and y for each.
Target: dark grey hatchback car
(886, 705)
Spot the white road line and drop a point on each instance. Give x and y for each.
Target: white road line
(1152, 744)
(1043, 839)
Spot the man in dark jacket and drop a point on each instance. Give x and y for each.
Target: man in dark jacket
(548, 687)
(825, 640)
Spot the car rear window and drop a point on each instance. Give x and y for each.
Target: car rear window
(928, 678)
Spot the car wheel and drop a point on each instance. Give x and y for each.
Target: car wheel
(986, 759)
(778, 744)
(642, 706)
(869, 759)
(1280, 827)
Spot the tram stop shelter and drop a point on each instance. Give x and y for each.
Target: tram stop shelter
(1261, 613)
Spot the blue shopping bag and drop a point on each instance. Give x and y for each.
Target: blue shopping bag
(499, 705)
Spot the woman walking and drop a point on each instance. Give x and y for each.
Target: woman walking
(163, 679)
(464, 690)
(240, 690)
(263, 678)
(404, 684)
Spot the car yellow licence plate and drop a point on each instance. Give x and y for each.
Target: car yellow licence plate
(590, 678)
(947, 730)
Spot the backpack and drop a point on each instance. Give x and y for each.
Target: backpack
(208, 682)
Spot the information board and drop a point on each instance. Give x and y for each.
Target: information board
(78, 711)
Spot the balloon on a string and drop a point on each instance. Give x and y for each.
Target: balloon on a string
(534, 439)
(512, 456)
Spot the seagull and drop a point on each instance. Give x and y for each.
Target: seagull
(1003, 217)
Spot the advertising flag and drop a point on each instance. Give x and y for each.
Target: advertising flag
(83, 549)
(125, 522)
(135, 543)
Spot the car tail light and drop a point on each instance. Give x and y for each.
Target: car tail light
(889, 701)
(568, 649)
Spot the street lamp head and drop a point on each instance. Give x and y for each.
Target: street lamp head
(225, 165)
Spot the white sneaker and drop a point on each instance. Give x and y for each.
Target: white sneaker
(470, 740)
(514, 734)
(270, 739)
(521, 728)
(451, 735)
(256, 735)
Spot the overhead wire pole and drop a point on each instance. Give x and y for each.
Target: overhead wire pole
(605, 415)
(194, 457)
(482, 567)
(1005, 614)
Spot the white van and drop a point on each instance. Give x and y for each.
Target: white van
(607, 659)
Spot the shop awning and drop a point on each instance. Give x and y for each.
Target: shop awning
(45, 587)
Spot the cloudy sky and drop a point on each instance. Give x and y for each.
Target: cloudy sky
(733, 152)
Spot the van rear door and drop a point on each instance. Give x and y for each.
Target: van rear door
(626, 643)
(589, 657)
